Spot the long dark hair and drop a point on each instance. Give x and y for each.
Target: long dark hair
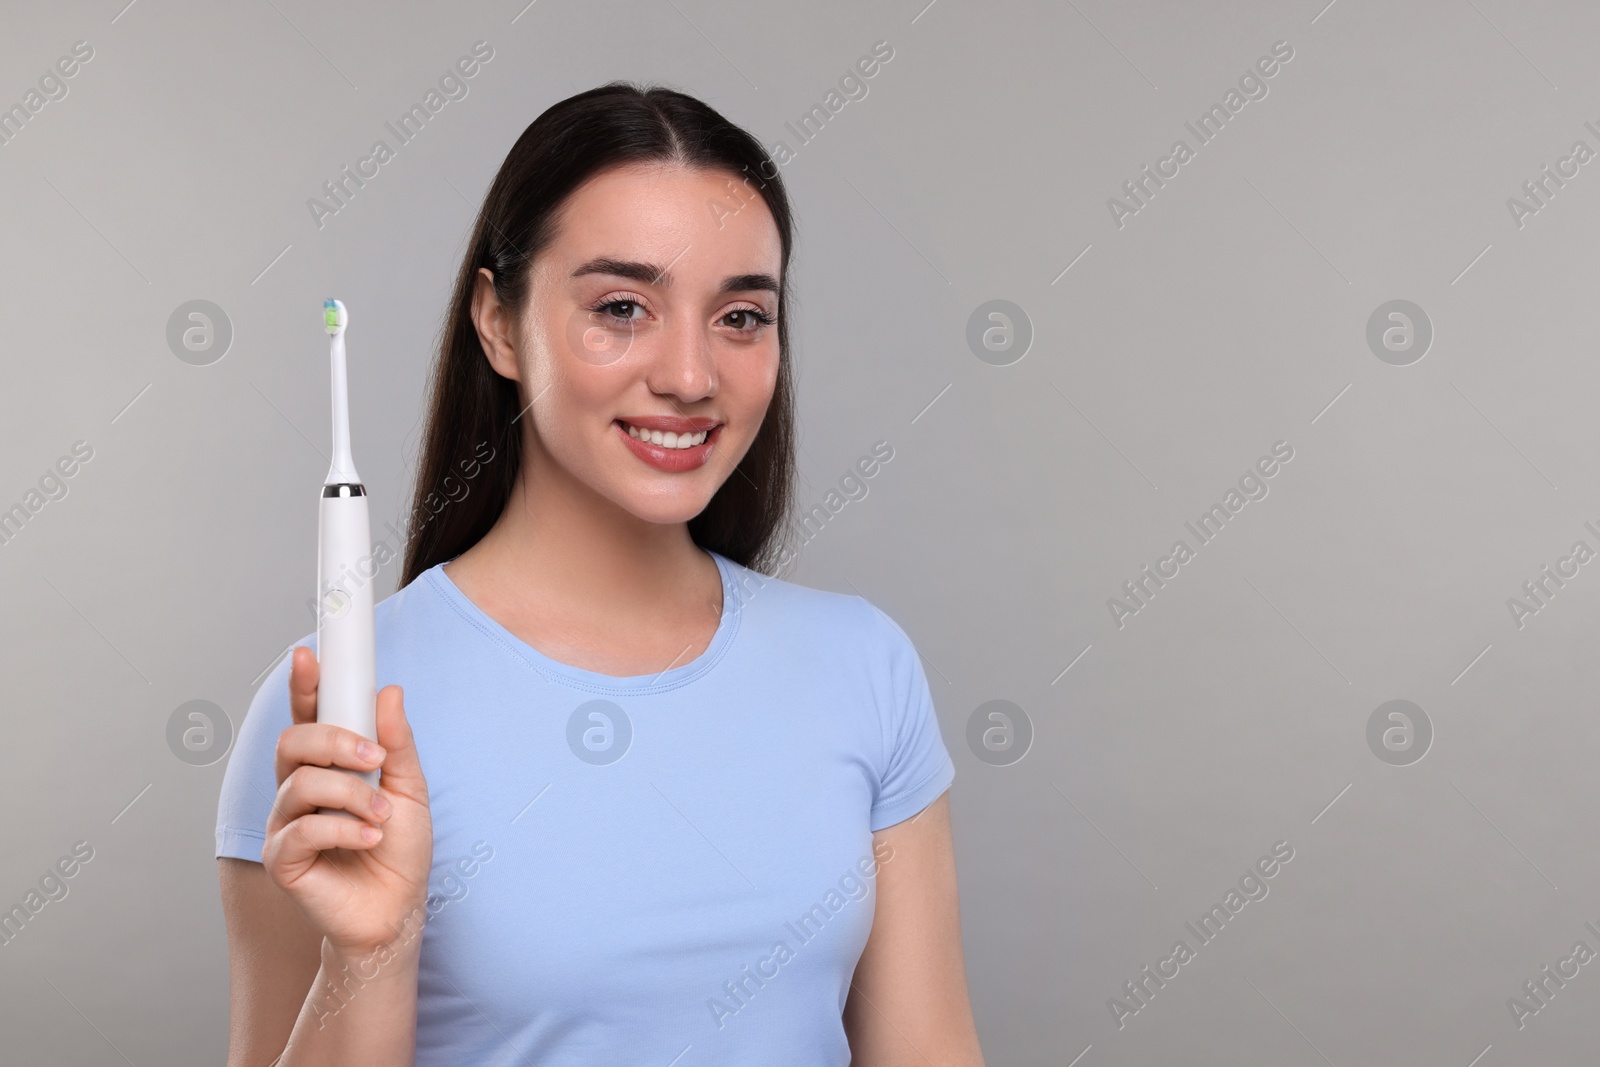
(473, 413)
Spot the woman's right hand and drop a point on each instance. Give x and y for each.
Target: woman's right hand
(359, 893)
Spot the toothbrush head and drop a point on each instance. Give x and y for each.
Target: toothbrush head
(334, 316)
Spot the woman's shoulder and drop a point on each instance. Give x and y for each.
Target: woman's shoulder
(425, 613)
(850, 619)
(404, 605)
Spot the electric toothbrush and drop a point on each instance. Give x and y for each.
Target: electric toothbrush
(347, 693)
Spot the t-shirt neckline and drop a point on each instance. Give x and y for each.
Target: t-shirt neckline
(593, 681)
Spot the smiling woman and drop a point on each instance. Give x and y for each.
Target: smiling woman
(671, 773)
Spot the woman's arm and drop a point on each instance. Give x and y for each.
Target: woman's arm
(296, 1002)
(908, 1004)
(292, 996)
(272, 960)
(325, 933)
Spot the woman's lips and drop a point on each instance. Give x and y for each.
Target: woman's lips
(673, 460)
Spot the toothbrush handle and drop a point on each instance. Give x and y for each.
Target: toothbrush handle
(347, 692)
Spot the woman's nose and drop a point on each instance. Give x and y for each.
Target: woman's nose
(683, 364)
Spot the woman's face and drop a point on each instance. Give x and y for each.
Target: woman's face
(650, 326)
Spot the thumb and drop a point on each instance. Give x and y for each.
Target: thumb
(402, 770)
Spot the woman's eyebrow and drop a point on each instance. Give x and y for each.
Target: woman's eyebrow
(740, 283)
(650, 274)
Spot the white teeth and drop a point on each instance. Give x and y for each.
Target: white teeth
(668, 439)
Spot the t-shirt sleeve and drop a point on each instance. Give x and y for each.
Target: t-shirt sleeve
(250, 782)
(918, 767)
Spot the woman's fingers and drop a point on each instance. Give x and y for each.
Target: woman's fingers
(325, 745)
(304, 671)
(308, 789)
(293, 852)
(324, 818)
(402, 770)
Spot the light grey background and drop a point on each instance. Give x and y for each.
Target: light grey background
(1228, 314)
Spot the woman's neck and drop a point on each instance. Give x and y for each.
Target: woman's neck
(563, 565)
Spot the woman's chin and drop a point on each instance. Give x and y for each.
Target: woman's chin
(661, 508)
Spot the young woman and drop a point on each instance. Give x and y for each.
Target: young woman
(640, 802)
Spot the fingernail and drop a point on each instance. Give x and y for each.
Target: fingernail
(369, 751)
(370, 833)
(381, 806)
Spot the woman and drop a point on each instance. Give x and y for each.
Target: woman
(675, 811)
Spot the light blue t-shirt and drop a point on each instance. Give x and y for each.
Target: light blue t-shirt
(662, 869)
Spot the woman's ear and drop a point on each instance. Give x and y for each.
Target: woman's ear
(493, 322)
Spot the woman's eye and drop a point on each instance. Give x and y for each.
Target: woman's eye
(620, 309)
(747, 320)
